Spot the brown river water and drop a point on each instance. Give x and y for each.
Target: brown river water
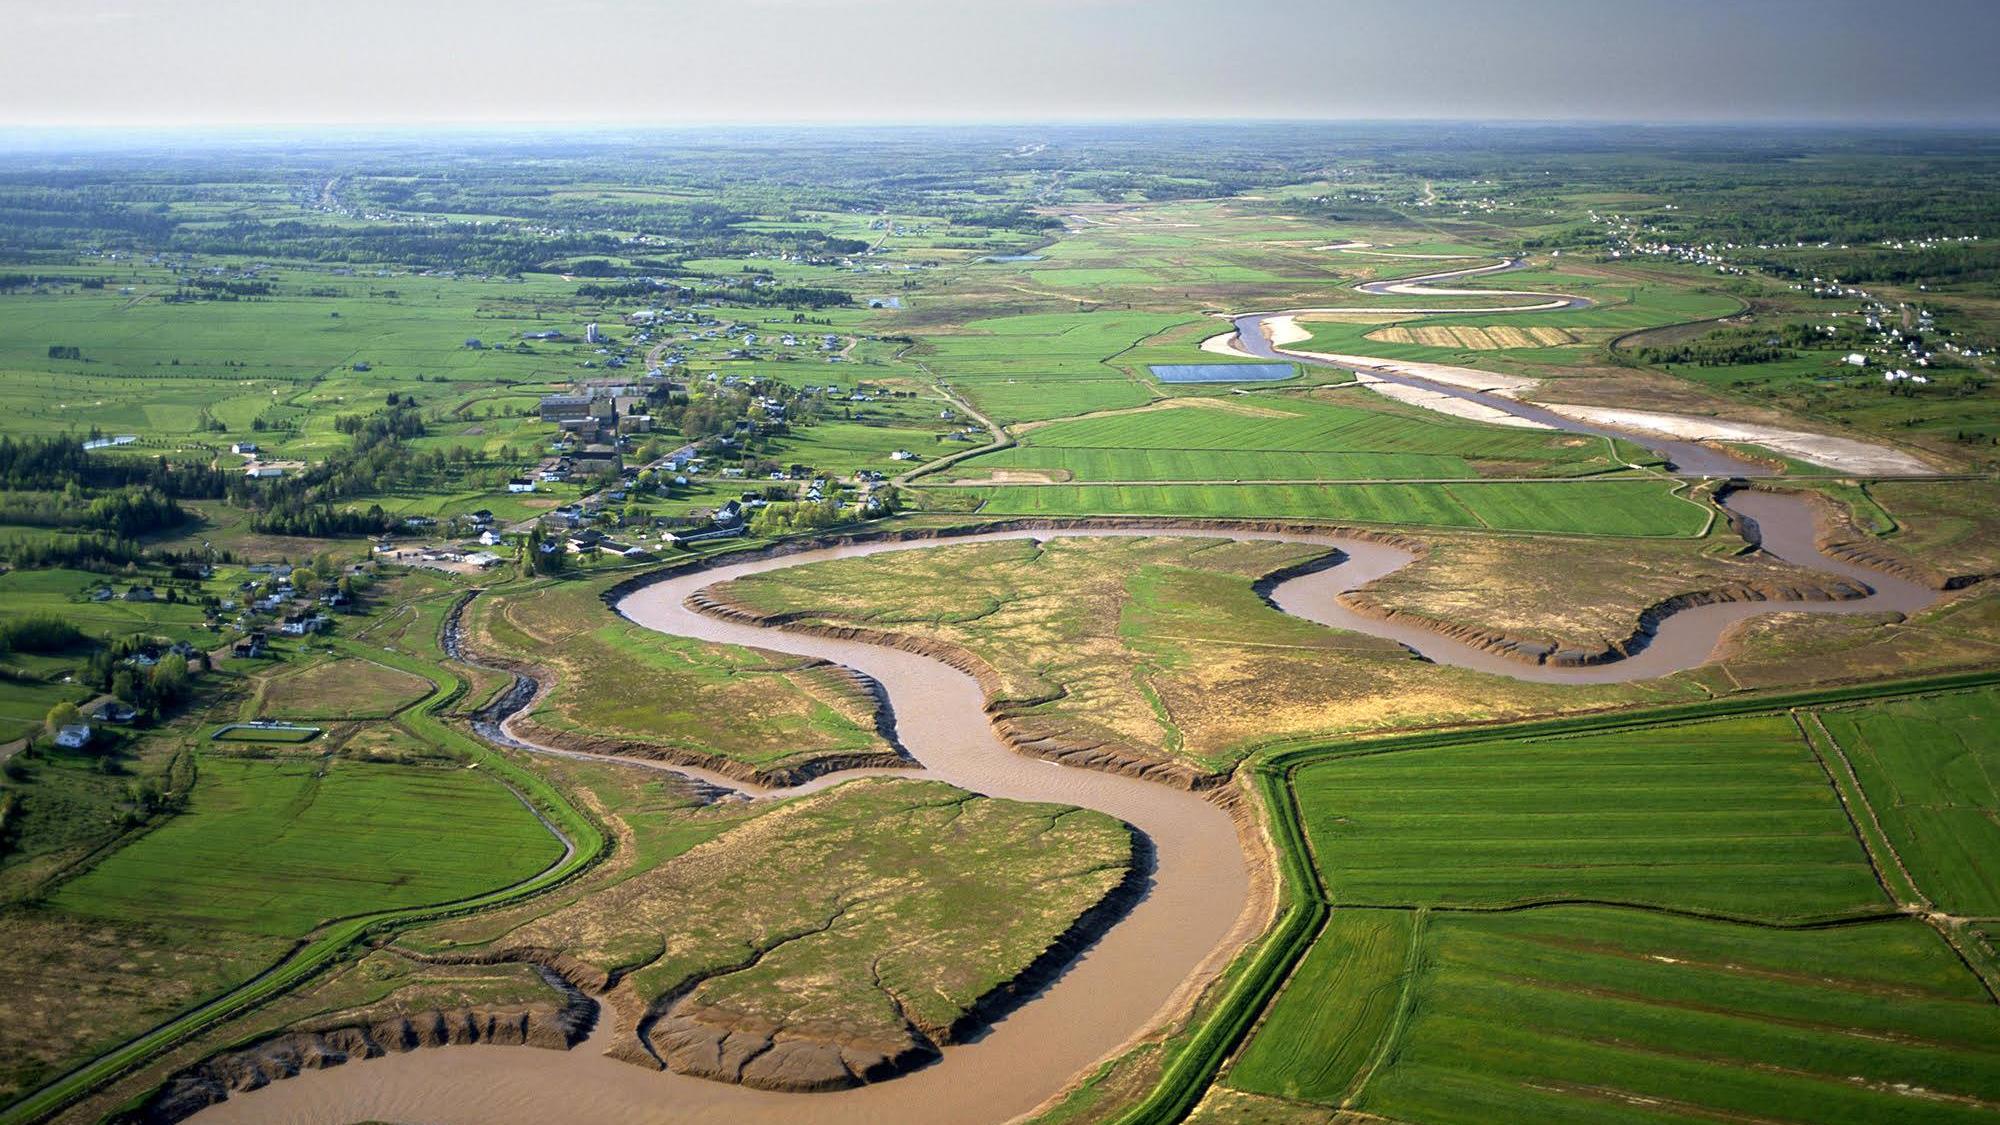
(1196, 912)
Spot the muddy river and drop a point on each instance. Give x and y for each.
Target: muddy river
(1196, 912)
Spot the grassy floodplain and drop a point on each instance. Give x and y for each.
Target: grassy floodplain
(624, 689)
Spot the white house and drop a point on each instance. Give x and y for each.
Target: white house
(74, 736)
(489, 538)
(1855, 359)
(521, 484)
(243, 447)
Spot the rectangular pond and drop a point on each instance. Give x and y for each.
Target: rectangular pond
(1221, 372)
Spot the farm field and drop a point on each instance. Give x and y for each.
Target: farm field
(1626, 507)
(1600, 1014)
(1618, 924)
(1291, 438)
(1732, 818)
(345, 688)
(330, 838)
(1927, 767)
(1021, 368)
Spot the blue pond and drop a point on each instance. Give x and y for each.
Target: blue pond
(1221, 372)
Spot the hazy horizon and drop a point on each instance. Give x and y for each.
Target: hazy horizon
(522, 64)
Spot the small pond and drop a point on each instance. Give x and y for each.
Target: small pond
(1221, 372)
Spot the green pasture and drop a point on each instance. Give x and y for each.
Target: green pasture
(277, 846)
(1596, 1014)
(1732, 817)
(1619, 508)
(1929, 769)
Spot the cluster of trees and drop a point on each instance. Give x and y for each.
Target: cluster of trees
(153, 691)
(633, 290)
(41, 633)
(1711, 352)
(788, 518)
(1945, 264)
(52, 464)
(553, 560)
(126, 513)
(399, 423)
(83, 552)
(217, 289)
(775, 296)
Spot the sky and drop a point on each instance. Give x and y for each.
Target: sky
(149, 63)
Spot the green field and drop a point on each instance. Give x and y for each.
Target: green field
(1592, 1014)
(1731, 817)
(1631, 925)
(1021, 368)
(1291, 438)
(278, 846)
(1628, 508)
(1339, 1003)
(1929, 768)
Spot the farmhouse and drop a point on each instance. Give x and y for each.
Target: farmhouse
(243, 447)
(300, 624)
(557, 407)
(521, 484)
(597, 459)
(682, 538)
(114, 711)
(74, 736)
(249, 647)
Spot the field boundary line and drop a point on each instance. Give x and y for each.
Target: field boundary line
(1921, 906)
(1873, 838)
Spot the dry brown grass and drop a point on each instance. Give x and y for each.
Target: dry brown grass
(922, 899)
(347, 688)
(1474, 338)
(1159, 650)
(69, 988)
(1508, 584)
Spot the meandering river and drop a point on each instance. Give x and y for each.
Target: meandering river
(1197, 911)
